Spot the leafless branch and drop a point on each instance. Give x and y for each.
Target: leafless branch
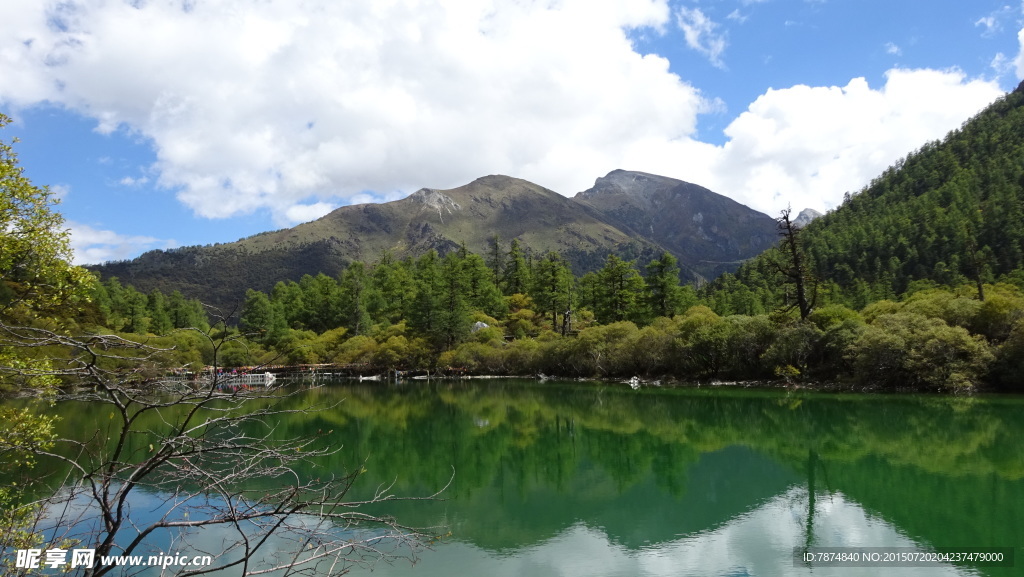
(227, 479)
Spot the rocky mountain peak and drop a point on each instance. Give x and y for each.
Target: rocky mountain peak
(628, 182)
(805, 217)
(632, 214)
(436, 200)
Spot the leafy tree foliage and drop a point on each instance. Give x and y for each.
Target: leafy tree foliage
(39, 289)
(123, 308)
(257, 314)
(905, 348)
(36, 274)
(417, 315)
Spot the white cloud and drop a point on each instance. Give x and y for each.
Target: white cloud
(757, 542)
(737, 16)
(990, 24)
(993, 23)
(1002, 65)
(281, 105)
(60, 191)
(806, 146)
(133, 181)
(893, 49)
(1019, 61)
(307, 212)
(297, 108)
(92, 246)
(702, 34)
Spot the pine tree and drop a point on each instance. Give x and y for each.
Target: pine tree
(425, 312)
(588, 292)
(320, 300)
(495, 259)
(257, 314)
(186, 313)
(516, 279)
(354, 294)
(288, 295)
(160, 319)
(453, 318)
(394, 290)
(481, 292)
(552, 287)
(136, 312)
(664, 295)
(620, 291)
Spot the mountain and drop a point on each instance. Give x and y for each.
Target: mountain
(631, 214)
(805, 217)
(473, 214)
(950, 213)
(706, 231)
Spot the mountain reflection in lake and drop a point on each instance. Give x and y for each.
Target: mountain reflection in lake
(599, 480)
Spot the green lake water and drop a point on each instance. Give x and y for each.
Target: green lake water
(596, 479)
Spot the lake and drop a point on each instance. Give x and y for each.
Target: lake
(597, 479)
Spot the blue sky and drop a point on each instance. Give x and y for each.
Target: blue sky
(165, 123)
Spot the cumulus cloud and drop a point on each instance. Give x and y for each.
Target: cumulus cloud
(296, 108)
(806, 146)
(702, 34)
(92, 246)
(891, 48)
(285, 106)
(307, 212)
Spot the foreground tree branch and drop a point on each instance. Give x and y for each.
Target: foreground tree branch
(232, 484)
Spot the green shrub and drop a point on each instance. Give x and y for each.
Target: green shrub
(910, 349)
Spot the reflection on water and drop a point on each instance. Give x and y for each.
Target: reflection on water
(758, 542)
(597, 479)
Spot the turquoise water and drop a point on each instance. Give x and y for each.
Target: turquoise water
(596, 479)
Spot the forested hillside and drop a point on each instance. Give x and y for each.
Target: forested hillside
(633, 215)
(949, 213)
(915, 281)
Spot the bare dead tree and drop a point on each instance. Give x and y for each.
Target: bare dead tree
(230, 483)
(795, 268)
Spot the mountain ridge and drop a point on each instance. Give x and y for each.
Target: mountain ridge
(656, 207)
(583, 229)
